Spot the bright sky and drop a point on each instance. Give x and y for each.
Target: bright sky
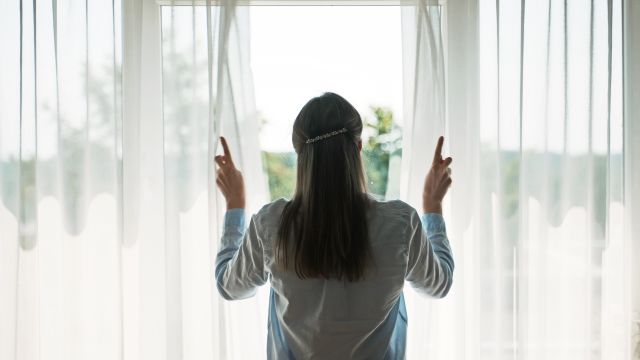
(298, 52)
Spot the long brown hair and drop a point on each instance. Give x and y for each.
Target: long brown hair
(323, 229)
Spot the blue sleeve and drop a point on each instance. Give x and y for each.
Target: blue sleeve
(430, 264)
(239, 263)
(437, 236)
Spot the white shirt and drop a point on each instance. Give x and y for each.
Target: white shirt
(332, 319)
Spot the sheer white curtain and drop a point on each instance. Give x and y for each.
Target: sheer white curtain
(109, 218)
(424, 105)
(60, 180)
(540, 214)
(631, 90)
(207, 93)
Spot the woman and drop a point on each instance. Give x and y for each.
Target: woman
(336, 258)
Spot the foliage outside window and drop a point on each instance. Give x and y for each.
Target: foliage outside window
(382, 140)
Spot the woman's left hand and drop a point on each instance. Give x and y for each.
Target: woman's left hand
(229, 179)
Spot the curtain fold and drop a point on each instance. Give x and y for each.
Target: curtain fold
(630, 34)
(538, 207)
(109, 215)
(201, 89)
(59, 181)
(424, 120)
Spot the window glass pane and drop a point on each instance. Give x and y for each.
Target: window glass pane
(298, 52)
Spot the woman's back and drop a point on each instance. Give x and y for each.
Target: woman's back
(317, 318)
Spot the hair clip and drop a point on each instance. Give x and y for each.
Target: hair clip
(324, 136)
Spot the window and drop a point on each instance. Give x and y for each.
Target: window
(297, 52)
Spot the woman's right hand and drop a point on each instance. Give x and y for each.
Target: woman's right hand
(229, 179)
(437, 182)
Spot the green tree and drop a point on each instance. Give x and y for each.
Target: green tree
(383, 140)
(281, 171)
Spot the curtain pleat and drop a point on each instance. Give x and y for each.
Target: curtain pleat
(63, 292)
(100, 143)
(629, 10)
(206, 92)
(534, 124)
(235, 117)
(424, 90)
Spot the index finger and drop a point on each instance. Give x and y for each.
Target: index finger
(437, 157)
(225, 148)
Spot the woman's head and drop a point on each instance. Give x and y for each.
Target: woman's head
(324, 114)
(323, 230)
(338, 154)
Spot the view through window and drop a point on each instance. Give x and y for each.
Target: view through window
(298, 52)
